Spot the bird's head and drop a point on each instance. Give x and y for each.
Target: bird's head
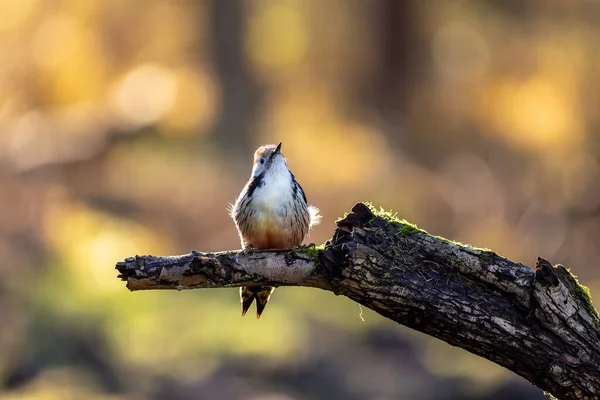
(268, 159)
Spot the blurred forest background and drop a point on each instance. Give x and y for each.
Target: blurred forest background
(127, 127)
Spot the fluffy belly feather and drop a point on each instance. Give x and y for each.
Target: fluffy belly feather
(271, 230)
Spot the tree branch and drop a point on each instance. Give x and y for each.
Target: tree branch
(224, 269)
(540, 324)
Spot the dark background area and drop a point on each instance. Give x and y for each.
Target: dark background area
(128, 127)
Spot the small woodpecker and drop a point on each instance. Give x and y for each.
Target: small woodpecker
(271, 212)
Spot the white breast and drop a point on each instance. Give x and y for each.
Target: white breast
(273, 195)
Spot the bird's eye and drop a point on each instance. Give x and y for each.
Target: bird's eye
(262, 160)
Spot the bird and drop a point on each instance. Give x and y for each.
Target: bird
(271, 212)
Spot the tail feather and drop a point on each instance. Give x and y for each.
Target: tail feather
(247, 298)
(262, 298)
(259, 293)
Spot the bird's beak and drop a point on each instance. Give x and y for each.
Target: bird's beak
(278, 148)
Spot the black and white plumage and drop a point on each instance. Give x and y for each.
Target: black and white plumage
(271, 212)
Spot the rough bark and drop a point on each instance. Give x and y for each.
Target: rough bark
(224, 269)
(540, 324)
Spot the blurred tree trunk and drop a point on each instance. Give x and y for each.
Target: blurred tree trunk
(240, 94)
(400, 60)
(539, 324)
(399, 46)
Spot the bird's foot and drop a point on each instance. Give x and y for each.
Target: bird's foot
(311, 246)
(244, 252)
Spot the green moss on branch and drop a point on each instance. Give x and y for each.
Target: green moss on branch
(406, 228)
(583, 294)
(313, 254)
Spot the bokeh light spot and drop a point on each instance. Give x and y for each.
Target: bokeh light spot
(277, 37)
(145, 94)
(460, 51)
(15, 12)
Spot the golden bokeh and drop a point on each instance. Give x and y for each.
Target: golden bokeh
(127, 128)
